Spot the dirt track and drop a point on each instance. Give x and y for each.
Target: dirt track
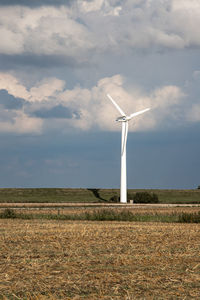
(57, 205)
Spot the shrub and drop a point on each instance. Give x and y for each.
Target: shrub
(145, 197)
(8, 214)
(109, 215)
(189, 218)
(115, 198)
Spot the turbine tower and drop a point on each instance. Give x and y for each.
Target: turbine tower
(124, 120)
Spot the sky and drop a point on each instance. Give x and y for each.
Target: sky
(59, 59)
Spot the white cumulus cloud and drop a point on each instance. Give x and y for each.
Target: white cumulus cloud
(91, 27)
(90, 108)
(42, 31)
(13, 86)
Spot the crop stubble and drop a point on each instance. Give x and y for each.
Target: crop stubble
(42, 259)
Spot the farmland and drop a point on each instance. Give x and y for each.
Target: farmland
(49, 259)
(66, 195)
(53, 247)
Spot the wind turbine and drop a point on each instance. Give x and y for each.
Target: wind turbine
(124, 120)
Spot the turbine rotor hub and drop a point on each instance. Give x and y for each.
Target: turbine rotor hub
(122, 119)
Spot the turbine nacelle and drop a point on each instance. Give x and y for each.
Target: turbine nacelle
(121, 119)
(124, 119)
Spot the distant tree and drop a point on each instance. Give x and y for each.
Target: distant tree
(198, 187)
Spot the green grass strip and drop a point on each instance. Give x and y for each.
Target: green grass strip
(107, 215)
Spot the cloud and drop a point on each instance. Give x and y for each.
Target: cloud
(30, 60)
(10, 102)
(40, 92)
(42, 31)
(86, 28)
(194, 113)
(196, 75)
(45, 89)
(143, 24)
(13, 86)
(19, 123)
(106, 7)
(90, 109)
(34, 3)
(164, 103)
(57, 112)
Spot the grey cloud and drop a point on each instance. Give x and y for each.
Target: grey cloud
(38, 61)
(6, 116)
(57, 112)
(35, 3)
(10, 102)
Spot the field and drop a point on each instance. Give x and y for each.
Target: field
(54, 195)
(55, 252)
(49, 259)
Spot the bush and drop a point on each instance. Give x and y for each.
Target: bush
(8, 214)
(109, 215)
(189, 218)
(115, 198)
(144, 197)
(130, 196)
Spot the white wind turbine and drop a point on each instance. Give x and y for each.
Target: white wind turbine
(124, 119)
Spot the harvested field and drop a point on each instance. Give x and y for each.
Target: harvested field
(43, 259)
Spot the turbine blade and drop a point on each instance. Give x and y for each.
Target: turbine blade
(138, 113)
(116, 105)
(125, 137)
